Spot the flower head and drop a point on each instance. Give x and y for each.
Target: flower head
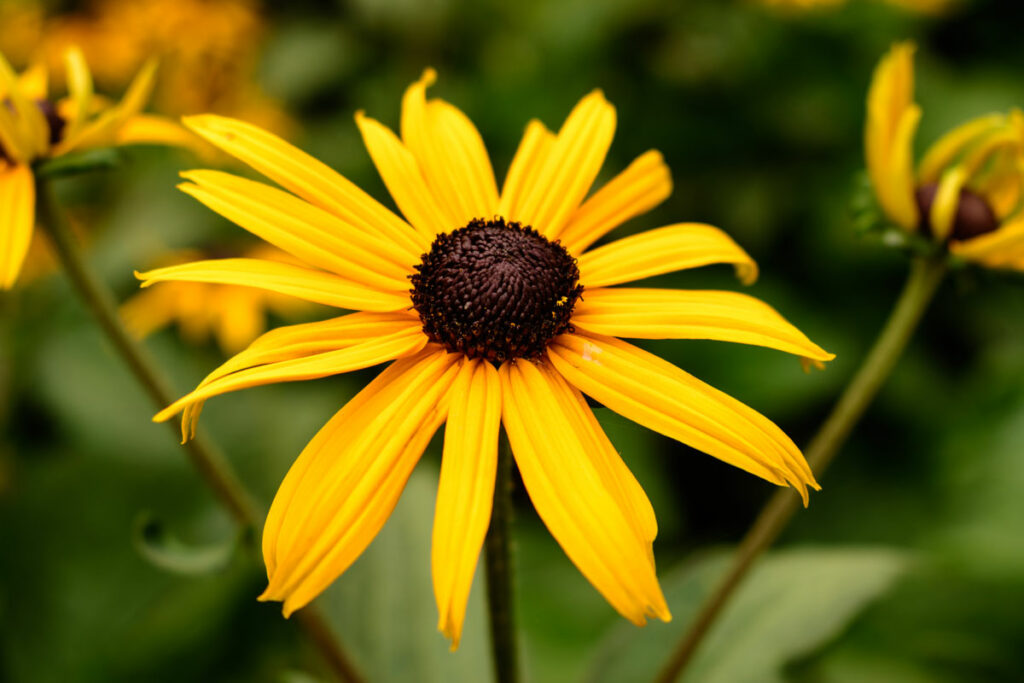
(967, 191)
(33, 127)
(509, 320)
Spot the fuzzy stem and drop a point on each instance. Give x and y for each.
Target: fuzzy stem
(210, 463)
(926, 274)
(500, 589)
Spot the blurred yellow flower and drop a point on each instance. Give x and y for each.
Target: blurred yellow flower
(208, 50)
(234, 316)
(967, 191)
(494, 331)
(33, 127)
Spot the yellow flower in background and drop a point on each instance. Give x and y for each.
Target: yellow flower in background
(510, 320)
(34, 127)
(208, 50)
(967, 191)
(233, 316)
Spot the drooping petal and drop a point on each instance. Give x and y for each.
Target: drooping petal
(643, 185)
(307, 177)
(346, 482)
(404, 179)
(663, 250)
(303, 283)
(311, 234)
(1003, 248)
(660, 396)
(34, 82)
(465, 491)
(889, 134)
(558, 185)
(17, 220)
(530, 156)
(450, 153)
(566, 486)
(303, 341)
(681, 314)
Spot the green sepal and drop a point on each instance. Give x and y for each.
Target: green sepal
(78, 163)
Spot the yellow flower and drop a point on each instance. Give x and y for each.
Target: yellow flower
(234, 316)
(32, 128)
(968, 189)
(494, 331)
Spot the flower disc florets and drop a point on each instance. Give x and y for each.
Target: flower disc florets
(973, 217)
(496, 290)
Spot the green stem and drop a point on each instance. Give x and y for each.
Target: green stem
(926, 274)
(210, 463)
(498, 558)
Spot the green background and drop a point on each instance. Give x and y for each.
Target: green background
(907, 567)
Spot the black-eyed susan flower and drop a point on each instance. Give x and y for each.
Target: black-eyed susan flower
(32, 128)
(233, 316)
(492, 310)
(968, 189)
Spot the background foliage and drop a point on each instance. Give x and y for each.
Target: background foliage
(907, 567)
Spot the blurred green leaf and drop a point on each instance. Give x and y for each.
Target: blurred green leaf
(793, 602)
(159, 546)
(78, 163)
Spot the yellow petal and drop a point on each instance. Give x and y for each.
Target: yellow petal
(17, 220)
(314, 366)
(465, 491)
(241, 317)
(617, 478)
(103, 130)
(663, 250)
(300, 341)
(945, 151)
(558, 185)
(660, 396)
(888, 139)
(346, 482)
(1003, 248)
(22, 126)
(530, 156)
(307, 177)
(946, 202)
(566, 487)
(34, 82)
(681, 314)
(80, 89)
(311, 234)
(150, 129)
(450, 153)
(643, 185)
(303, 283)
(404, 179)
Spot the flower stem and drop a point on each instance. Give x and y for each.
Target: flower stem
(926, 274)
(498, 558)
(210, 463)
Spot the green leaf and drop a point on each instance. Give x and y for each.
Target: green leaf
(162, 549)
(794, 602)
(383, 606)
(78, 163)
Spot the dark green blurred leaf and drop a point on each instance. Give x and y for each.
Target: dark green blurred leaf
(793, 602)
(78, 163)
(159, 546)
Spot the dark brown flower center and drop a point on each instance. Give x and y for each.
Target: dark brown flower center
(54, 121)
(973, 214)
(496, 290)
